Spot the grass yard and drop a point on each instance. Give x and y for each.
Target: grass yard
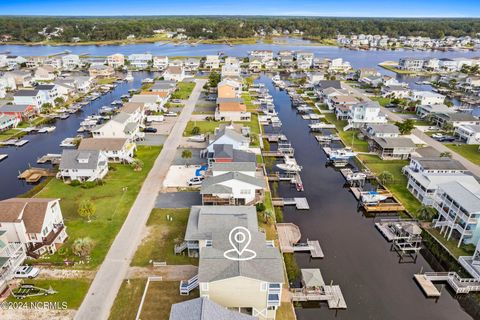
(399, 186)
(112, 202)
(184, 90)
(106, 80)
(162, 237)
(205, 127)
(381, 100)
(128, 299)
(451, 245)
(71, 291)
(285, 312)
(468, 151)
(347, 136)
(247, 98)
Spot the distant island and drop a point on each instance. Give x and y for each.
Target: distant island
(214, 29)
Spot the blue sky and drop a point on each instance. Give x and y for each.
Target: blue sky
(348, 8)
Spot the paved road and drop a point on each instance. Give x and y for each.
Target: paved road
(472, 167)
(107, 282)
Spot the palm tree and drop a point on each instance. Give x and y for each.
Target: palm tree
(87, 209)
(82, 247)
(425, 212)
(386, 177)
(186, 154)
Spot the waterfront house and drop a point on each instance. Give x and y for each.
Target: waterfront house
(372, 81)
(425, 174)
(231, 109)
(453, 119)
(116, 149)
(204, 308)
(261, 55)
(14, 62)
(122, 125)
(23, 112)
(140, 60)
(315, 77)
(30, 97)
(55, 61)
(338, 65)
(65, 87)
(49, 92)
(336, 102)
(365, 113)
(231, 68)
(45, 73)
(83, 84)
(116, 60)
(12, 256)
(34, 61)
(37, 223)
(83, 165)
(395, 91)
(211, 62)
(255, 65)
(152, 101)
(176, 63)
(366, 72)
(247, 168)
(8, 122)
(232, 188)
(70, 62)
(192, 64)
(174, 73)
(458, 206)
(424, 110)
(160, 62)
(136, 110)
(384, 130)
(392, 148)
(229, 89)
(427, 97)
(229, 135)
(101, 71)
(227, 153)
(470, 134)
(411, 64)
(259, 280)
(163, 86)
(204, 221)
(21, 78)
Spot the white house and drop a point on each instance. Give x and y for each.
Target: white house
(395, 91)
(30, 97)
(338, 65)
(70, 61)
(470, 134)
(116, 149)
(8, 122)
(231, 70)
(83, 165)
(116, 60)
(212, 62)
(160, 62)
(229, 135)
(12, 255)
(121, 125)
(427, 97)
(140, 60)
(192, 64)
(385, 130)
(364, 113)
(37, 223)
(424, 110)
(174, 73)
(152, 102)
(45, 73)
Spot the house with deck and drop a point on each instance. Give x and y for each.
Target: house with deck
(122, 125)
(140, 60)
(211, 62)
(383, 130)
(116, 149)
(231, 109)
(23, 112)
(392, 148)
(45, 73)
(229, 89)
(470, 134)
(160, 62)
(83, 165)
(8, 122)
(71, 62)
(174, 73)
(12, 256)
(365, 113)
(116, 60)
(101, 71)
(204, 308)
(453, 119)
(423, 111)
(36, 223)
(427, 97)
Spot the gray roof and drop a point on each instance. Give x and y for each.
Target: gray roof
(227, 151)
(266, 266)
(121, 117)
(45, 87)
(467, 196)
(203, 221)
(457, 116)
(204, 309)
(427, 152)
(220, 100)
(231, 133)
(14, 107)
(384, 128)
(330, 84)
(439, 163)
(162, 86)
(399, 142)
(26, 93)
(213, 184)
(70, 159)
(234, 166)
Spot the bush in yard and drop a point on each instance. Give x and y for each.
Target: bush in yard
(195, 130)
(87, 209)
(260, 207)
(82, 247)
(75, 183)
(89, 185)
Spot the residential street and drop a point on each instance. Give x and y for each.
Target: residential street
(472, 167)
(113, 270)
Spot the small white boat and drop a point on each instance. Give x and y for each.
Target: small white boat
(321, 125)
(68, 143)
(3, 157)
(148, 80)
(341, 154)
(129, 77)
(372, 197)
(47, 129)
(356, 176)
(290, 165)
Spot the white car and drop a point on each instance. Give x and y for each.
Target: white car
(437, 135)
(195, 181)
(26, 272)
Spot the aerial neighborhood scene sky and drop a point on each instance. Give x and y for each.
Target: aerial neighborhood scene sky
(348, 8)
(245, 160)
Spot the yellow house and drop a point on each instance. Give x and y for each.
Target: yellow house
(252, 287)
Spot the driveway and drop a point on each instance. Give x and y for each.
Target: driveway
(107, 282)
(178, 200)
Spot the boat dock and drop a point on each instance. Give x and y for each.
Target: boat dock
(427, 286)
(384, 207)
(300, 203)
(458, 284)
(14, 143)
(289, 236)
(53, 158)
(272, 137)
(293, 178)
(33, 175)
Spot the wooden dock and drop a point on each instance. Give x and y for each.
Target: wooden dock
(272, 137)
(336, 301)
(53, 158)
(33, 175)
(299, 203)
(427, 286)
(384, 207)
(289, 236)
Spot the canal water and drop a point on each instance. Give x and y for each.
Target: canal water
(21, 158)
(373, 281)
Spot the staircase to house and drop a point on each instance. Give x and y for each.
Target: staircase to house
(186, 286)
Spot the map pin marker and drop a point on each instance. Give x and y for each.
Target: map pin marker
(239, 238)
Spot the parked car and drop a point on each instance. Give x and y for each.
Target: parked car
(176, 101)
(170, 114)
(446, 139)
(150, 130)
(26, 272)
(195, 181)
(437, 135)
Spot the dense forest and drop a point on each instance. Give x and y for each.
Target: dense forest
(30, 29)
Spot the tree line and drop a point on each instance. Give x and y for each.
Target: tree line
(26, 29)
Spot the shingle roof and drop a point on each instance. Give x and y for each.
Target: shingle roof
(399, 142)
(233, 166)
(70, 159)
(26, 93)
(204, 309)
(102, 144)
(31, 210)
(203, 221)
(384, 128)
(439, 163)
(14, 107)
(214, 184)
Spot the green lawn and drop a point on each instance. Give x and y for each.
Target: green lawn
(451, 245)
(112, 202)
(468, 151)
(347, 136)
(128, 299)
(70, 291)
(184, 90)
(247, 99)
(399, 186)
(106, 81)
(162, 237)
(382, 101)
